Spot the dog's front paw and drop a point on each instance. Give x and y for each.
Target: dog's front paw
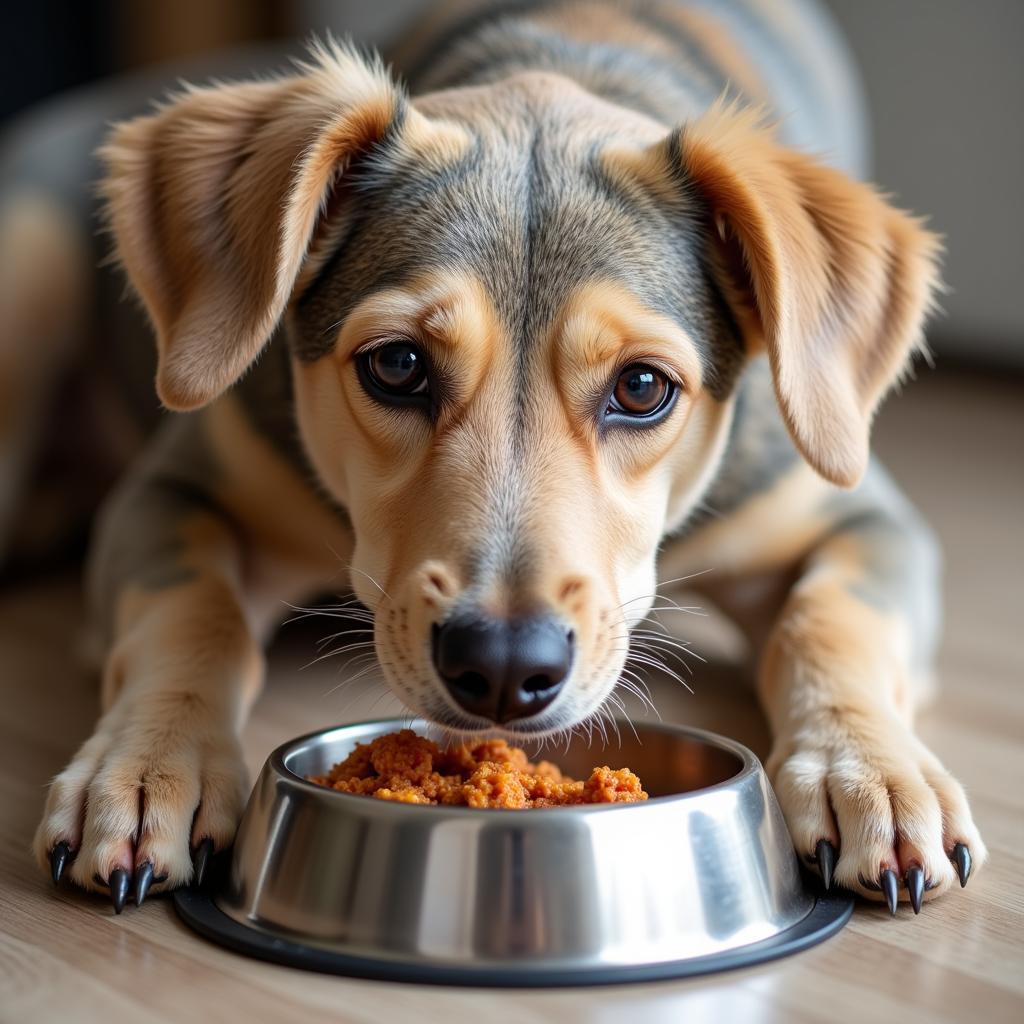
(144, 803)
(872, 808)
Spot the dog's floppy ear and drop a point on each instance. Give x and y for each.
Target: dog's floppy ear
(833, 281)
(213, 202)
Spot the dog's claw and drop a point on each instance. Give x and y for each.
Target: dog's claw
(890, 886)
(119, 883)
(200, 861)
(962, 862)
(59, 857)
(915, 886)
(143, 880)
(825, 855)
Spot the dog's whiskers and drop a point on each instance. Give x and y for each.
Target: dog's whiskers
(644, 638)
(344, 649)
(351, 609)
(683, 579)
(353, 697)
(672, 645)
(668, 603)
(646, 647)
(614, 698)
(370, 665)
(690, 609)
(321, 644)
(638, 689)
(645, 659)
(353, 568)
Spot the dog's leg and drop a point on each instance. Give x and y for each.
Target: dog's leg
(839, 591)
(163, 771)
(845, 666)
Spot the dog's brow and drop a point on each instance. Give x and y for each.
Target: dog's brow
(601, 342)
(442, 321)
(451, 310)
(605, 320)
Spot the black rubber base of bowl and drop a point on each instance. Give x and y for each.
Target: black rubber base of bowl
(199, 911)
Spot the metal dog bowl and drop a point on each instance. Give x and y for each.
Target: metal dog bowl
(701, 877)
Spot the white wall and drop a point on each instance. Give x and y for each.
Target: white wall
(945, 84)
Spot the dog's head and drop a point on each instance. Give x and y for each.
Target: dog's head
(516, 314)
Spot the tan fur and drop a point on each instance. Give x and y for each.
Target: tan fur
(293, 557)
(177, 685)
(214, 244)
(774, 530)
(845, 762)
(839, 281)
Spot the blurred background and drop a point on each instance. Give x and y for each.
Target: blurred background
(944, 81)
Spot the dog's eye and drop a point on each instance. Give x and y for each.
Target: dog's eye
(398, 368)
(640, 392)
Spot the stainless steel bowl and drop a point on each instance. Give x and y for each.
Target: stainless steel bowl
(700, 877)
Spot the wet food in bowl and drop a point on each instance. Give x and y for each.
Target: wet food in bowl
(409, 768)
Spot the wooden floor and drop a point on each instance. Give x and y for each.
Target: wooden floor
(956, 441)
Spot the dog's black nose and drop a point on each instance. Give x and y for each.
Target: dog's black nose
(503, 669)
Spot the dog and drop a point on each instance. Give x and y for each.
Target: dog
(571, 315)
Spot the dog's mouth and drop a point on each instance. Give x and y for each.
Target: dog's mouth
(471, 727)
(556, 722)
(454, 692)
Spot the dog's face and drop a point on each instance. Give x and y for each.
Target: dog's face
(527, 382)
(516, 314)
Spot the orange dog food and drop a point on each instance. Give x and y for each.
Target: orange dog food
(414, 770)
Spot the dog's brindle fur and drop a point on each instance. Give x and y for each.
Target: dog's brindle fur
(535, 222)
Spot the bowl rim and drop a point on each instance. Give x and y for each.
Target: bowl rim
(750, 766)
